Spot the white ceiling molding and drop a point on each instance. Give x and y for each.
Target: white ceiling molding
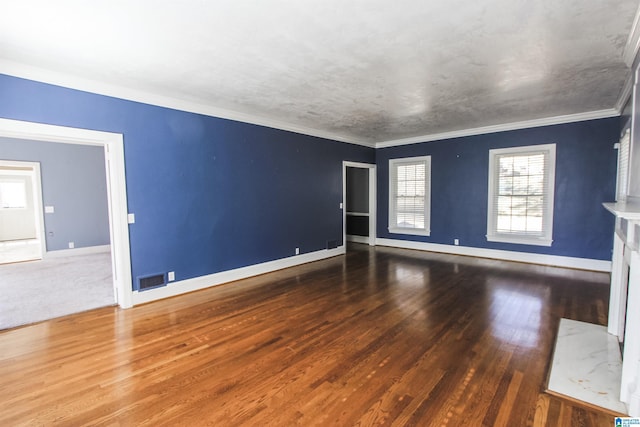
(625, 93)
(569, 118)
(633, 41)
(72, 82)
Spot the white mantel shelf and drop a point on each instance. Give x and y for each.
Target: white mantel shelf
(625, 292)
(626, 210)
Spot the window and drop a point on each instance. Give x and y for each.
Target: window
(520, 205)
(410, 195)
(13, 195)
(623, 168)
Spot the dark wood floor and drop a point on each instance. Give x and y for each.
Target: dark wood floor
(377, 337)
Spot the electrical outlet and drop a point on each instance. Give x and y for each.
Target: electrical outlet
(171, 276)
(456, 242)
(72, 245)
(297, 251)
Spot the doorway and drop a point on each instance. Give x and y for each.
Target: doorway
(359, 198)
(21, 220)
(113, 145)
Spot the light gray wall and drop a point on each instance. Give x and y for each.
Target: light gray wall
(74, 183)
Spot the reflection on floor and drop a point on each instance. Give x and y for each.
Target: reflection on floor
(39, 290)
(587, 365)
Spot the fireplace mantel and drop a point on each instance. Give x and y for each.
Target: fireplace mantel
(625, 292)
(627, 210)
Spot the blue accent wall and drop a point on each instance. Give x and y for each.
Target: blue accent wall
(209, 194)
(585, 178)
(73, 182)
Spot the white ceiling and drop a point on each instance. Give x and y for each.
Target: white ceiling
(362, 71)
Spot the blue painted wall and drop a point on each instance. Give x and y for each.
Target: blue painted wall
(209, 194)
(74, 183)
(585, 178)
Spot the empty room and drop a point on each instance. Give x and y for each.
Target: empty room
(321, 213)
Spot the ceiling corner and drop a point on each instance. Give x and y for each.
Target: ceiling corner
(633, 41)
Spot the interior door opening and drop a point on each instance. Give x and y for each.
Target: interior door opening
(113, 145)
(359, 198)
(21, 218)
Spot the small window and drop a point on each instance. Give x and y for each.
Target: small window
(520, 205)
(410, 195)
(13, 195)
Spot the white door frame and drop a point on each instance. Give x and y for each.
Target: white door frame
(36, 184)
(372, 199)
(113, 144)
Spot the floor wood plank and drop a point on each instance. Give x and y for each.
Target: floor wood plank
(380, 336)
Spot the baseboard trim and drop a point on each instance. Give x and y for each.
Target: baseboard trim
(78, 251)
(203, 282)
(531, 258)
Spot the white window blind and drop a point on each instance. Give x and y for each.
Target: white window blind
(409, 195)
(520, 205)
(623, 167)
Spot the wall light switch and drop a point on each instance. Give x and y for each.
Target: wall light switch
(131, 218)
(49, 209)
(340, 205)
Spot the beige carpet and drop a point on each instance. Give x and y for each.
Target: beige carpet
(39, 290)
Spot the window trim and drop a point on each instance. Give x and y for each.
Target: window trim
(518, 238)
(426, 231)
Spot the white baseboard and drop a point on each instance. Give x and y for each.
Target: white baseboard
(357, 239)
(203, 282)
(78, 251)
(552, 260)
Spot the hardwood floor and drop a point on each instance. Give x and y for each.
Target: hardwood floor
(378, 337)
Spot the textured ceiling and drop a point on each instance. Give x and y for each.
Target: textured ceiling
(357, 70)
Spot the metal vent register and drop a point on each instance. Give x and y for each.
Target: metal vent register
(151, 282)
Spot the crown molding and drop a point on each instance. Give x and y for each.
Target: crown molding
(625, 93)
(557, 120)
(93, 86)
(72, 82)
(632, 46)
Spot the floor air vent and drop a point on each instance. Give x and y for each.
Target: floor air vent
(149, 282)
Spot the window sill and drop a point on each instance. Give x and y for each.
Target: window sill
(520, 240)
(412, 231)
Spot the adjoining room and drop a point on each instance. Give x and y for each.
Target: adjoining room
(55, 252)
